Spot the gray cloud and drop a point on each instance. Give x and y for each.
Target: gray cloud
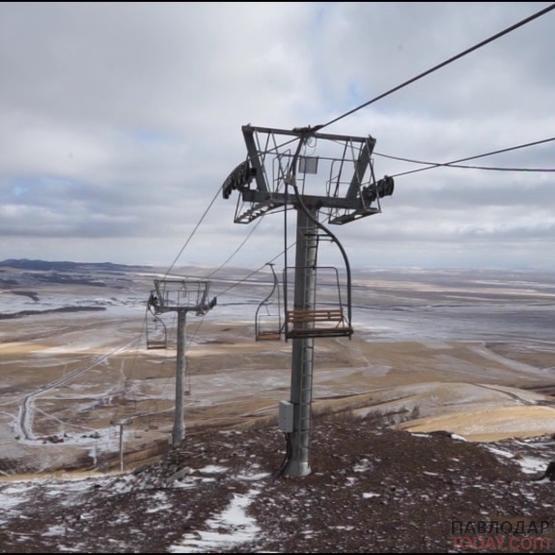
(119, 122)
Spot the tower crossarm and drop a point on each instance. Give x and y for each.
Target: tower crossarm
(334, 173)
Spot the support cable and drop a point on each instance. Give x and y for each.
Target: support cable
(463, 166)
(193, 232)
(236, 251)
(450, 60)
(254, 272)
(484, 155)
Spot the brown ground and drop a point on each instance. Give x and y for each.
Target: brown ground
(372, 489)
(234, 381)
(373, 486)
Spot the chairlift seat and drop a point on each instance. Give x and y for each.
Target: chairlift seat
(301, 316)
(299, 320)
(155, 329)
(320, 332)
(156, 345)
(269, 335)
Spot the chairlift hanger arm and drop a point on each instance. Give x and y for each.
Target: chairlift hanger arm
(273, 334)
(274, 284)
(155, 340)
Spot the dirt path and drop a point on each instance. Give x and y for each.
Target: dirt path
(26, 408)
(508, 363)
(511, 394)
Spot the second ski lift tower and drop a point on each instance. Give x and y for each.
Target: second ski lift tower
(318, 175)
(181, 296)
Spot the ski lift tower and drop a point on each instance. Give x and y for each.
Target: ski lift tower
(181, 296)
(321, 176)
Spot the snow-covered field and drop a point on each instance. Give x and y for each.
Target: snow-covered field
(428, 346)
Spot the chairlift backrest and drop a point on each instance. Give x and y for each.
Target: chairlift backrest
(327, 317)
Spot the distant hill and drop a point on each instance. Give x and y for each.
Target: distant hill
(64, 266)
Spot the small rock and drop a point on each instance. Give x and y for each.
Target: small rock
(550, 471)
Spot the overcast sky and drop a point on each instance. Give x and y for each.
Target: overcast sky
(119, 122)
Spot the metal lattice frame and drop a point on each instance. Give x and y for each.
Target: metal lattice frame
(182, 294)
(351, 190)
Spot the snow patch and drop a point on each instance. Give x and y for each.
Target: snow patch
(363, 466)
(11, 497)
(212, 469)
(253, 477)
(458, 437)
(230, 528)
(159, 503)
(55, 531)
(528, 464)
(499, 452)
(531, 465)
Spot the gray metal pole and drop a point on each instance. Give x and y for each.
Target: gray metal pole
(121, 446)
(303, 348)
(178, 425)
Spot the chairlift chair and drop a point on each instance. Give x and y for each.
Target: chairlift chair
(327, 318)
(172, 294)
(155, 329)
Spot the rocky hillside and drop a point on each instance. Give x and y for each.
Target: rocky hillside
(372, 489)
